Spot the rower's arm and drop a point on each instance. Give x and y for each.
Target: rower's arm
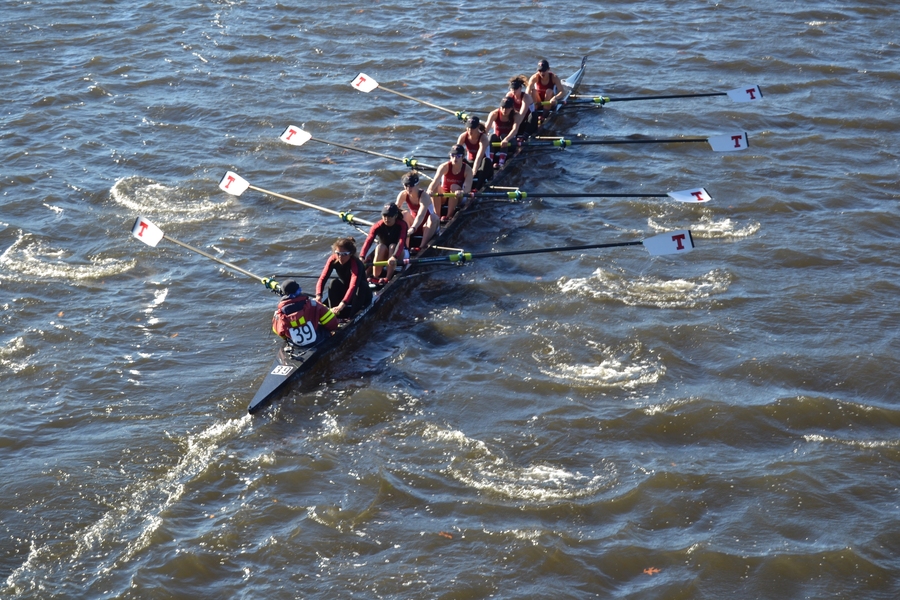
(467, 185)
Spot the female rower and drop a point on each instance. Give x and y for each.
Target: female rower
(506, 127)
(419, 214)
(478, 148)
(524, 103)
(349, 292)
(299, 319)
(545, 86)
(454, 179)
(391, 233)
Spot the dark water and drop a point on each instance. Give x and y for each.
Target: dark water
(718, 424)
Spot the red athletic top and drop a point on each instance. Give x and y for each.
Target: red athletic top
(502, 128)
(413, 208)
(541, 87)
(300, 320)
(387, 236)
(451, 178)
(472, 147)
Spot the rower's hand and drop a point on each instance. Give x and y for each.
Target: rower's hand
(318, 297)
(392, 261)
(337, 309)
(459, 194)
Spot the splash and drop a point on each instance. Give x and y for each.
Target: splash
(32, 258)
(147, 197)
(708, 228)
(128, 528)
(11, 355)
(477, 466)
(649, 290)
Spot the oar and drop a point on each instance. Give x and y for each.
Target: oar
(236, 185)
(297, 137)
(719, 143)
(694, 195)
(366, 84)
(673, 242)
(144, 230)
(747, 93)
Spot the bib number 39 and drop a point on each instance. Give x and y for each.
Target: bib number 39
(303, 335)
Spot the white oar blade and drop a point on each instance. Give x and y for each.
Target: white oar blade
(233, 184)
(695, 195)
(295, 136)
(364, 83)
(147, 232)
(729, 143)
(673, 242)
(748, 93)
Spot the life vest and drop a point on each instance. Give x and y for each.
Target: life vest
(300, 319)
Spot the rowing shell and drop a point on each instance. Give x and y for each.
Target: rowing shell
(292, 363)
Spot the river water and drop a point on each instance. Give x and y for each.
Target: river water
(591, 424)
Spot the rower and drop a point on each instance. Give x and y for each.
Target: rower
(478, 148)
(506, 127)
(454, 180)
(524, 103)
(300, 320)
(420, 214)
(349, 292)
(391, 233)
(545, 86)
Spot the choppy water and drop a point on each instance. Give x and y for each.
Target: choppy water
(719, 424)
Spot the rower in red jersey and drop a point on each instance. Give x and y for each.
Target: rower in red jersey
(478, 148)
(391, 233)
(545, 86)
(299, 319)
(349, 292)
(506, 126)
(420, 213)
(452, 182)
(524, 103)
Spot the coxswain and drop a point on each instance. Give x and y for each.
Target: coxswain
(419, 214)
(299, 319)
(349, 292)
(478, 148)
(506, 126)
(391, 233)
(452, 182)
(545, 86)
(523, 103)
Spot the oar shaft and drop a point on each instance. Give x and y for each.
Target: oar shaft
(211, 257)
(558, 249)
(522, 195)
(308, 205)
(562, 143)
(632, 98)
(412, 163)
(447, 110)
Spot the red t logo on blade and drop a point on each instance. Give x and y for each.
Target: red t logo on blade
(737, 140)
(291, 134)
(360, 82)
(752, 92)
(698, 196)
(143, 225)
(230, 181)
(678, 239)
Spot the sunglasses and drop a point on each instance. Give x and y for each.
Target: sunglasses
(339, 253)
